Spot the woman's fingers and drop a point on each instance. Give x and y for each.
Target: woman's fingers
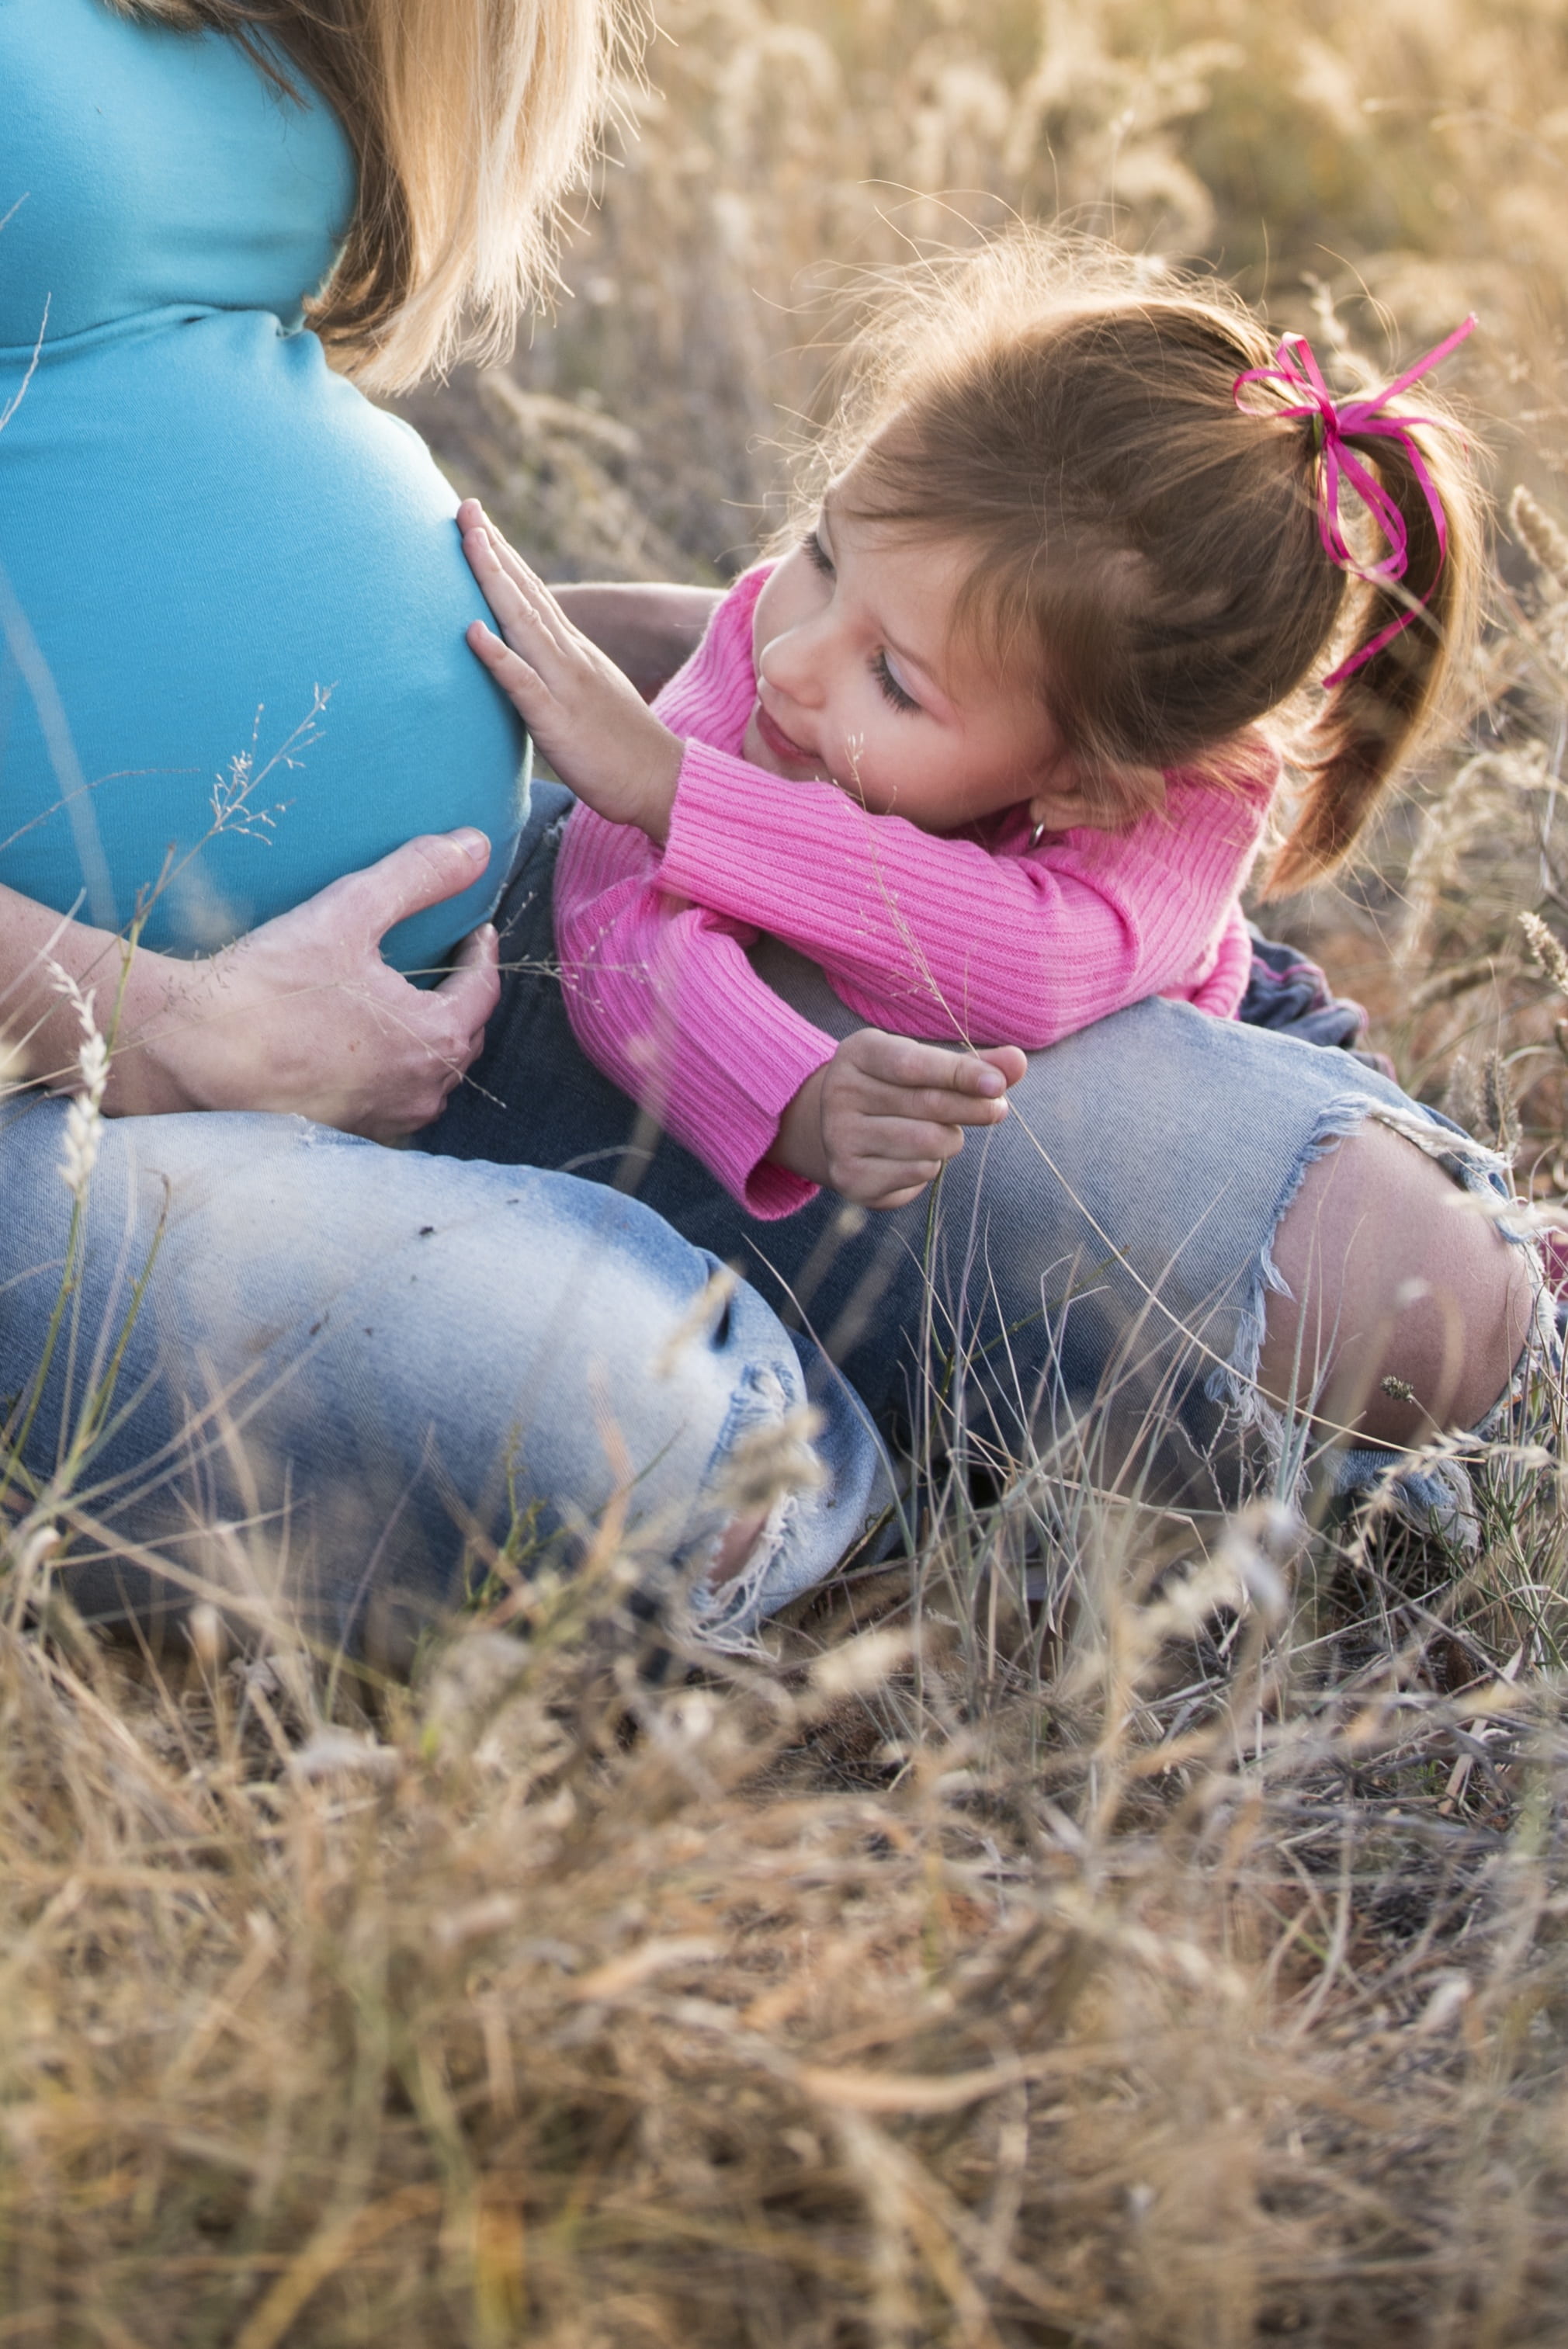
(471, 988)
(306, 1015)
(423, 871)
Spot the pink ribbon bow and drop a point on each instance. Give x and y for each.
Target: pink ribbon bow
(1297, 370)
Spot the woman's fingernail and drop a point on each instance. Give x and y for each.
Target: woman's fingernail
(472, 844)
(992, 1081)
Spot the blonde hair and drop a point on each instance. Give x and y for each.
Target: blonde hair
(1068, 415)
(469, 120)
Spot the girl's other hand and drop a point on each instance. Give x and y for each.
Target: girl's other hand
(589, 720)
(304, 1016)
(883, 1117)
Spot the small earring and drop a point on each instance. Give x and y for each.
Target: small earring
(1037, 834)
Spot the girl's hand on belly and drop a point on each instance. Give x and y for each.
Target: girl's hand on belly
(590, 721)
(648, 627)
(304, 1016)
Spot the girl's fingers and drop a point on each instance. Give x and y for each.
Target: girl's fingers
(969, 1073)
(526, 609)
(894, 1182)
(472, 520)
(930, 1105)
(1008, 1061)
(524, 606)
(907, 1141)
(516, 578)
(534, 597)
(506, 595)
(931, 1068)
(522, 574)
(509, 670)
(965, 1109)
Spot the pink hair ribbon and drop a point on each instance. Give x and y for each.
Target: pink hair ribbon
(1295, 369)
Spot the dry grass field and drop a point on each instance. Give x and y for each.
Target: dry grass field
(1085, 1937)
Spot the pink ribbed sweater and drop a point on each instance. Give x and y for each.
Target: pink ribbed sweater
(975, 936)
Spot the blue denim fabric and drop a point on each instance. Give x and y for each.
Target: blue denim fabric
(349, 1359)
(1291, 994)
(1087, 1281)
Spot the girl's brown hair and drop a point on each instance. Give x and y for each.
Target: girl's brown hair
(470, 120)
(1151, 549)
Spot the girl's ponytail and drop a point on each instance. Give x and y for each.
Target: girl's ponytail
(1413, 610)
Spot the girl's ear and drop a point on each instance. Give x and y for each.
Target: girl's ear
(1061, 808)
(1115, 798)
(1060, 801)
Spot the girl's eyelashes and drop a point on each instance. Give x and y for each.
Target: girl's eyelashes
(892, 689)
(891, 686)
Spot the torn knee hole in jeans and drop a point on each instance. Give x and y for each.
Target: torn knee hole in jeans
(1432, 1490)
(768, 1465)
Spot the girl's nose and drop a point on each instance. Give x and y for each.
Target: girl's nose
(790, 663)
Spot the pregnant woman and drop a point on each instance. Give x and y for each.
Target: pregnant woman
(234, 605)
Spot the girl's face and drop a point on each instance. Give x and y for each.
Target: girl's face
(862, 681)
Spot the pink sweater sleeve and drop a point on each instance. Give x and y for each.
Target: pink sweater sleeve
(663, 999)
(1221, 993)
(945, 937)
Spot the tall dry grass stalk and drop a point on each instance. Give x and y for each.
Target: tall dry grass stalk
(1410, 160)
(1202, 1983)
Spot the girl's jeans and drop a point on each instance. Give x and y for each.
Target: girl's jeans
(354, 1372)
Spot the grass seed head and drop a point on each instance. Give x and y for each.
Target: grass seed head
(1542, 539)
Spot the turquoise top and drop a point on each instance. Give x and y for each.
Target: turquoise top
(201, 524)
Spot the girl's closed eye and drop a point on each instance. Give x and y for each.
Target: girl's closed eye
(816, 555)
(892, 687)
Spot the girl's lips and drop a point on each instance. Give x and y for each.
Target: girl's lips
(779, 743)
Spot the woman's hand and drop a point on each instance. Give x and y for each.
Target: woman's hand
(881, 1119)
(589, 720)
(304, 1016)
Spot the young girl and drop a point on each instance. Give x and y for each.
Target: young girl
(986, 743)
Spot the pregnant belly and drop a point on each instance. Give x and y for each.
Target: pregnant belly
(232, 662)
